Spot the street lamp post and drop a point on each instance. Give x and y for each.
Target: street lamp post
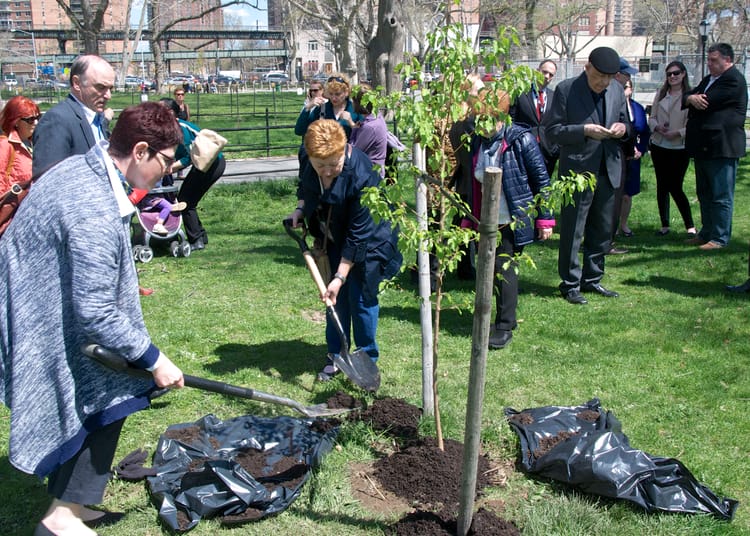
(33, 46)
(703, 30)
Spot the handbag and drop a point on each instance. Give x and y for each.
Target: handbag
(205, 148)
(12, 198)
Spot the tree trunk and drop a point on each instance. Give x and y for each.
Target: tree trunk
(386, 49)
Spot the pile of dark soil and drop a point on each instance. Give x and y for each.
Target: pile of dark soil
(425, 476)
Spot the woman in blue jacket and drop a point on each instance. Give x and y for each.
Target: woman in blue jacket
(362, 253)
(633, 164)
(514, 149)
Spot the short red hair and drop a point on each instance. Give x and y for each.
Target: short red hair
(16, 108)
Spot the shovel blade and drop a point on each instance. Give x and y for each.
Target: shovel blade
(359, 368)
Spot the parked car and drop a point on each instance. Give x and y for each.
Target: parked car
(320, 77)
(10, 82)
(278, 78)
(133, 81)
(221, 80)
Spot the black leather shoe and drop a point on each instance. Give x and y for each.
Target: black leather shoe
(197, 245)
(617, 251)
(600, 290)
(739, 289)
(109, 518)
(575, 297)
(500, 339)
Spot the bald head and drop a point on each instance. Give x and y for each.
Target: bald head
(91, 81)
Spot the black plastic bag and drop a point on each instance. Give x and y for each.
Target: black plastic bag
(585, 446)
(203, 469)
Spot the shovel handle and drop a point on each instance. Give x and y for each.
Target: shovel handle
(115, 362)
(309, 260)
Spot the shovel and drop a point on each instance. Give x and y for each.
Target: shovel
(115, 362)
(357, 366)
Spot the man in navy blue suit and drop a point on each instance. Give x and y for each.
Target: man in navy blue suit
(76, 124)
(529, 109)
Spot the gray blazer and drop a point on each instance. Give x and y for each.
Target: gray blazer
(571, 108)
(62, 132)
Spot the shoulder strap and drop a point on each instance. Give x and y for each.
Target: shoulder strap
(11, 159)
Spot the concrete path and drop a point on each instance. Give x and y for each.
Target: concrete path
(260, 169)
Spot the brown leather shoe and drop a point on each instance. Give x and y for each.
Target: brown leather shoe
(708, 246)
(695, 241)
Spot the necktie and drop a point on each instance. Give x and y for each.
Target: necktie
(98, 126)
(540, 105)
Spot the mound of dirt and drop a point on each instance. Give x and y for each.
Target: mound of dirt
(421, 523)
(424, 476)
(392, 415)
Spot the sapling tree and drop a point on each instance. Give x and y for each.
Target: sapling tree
(425, 116)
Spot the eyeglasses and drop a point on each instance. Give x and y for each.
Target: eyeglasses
(337, 79)
(674, 73)
(168, 160)
(31, 119)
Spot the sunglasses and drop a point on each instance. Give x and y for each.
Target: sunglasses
(31, 119)
(674, 73)
(314, 89)
(179, 94)
(168, 160)
(337, 79)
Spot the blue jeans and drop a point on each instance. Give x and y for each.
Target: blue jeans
(714, 185)
(355, 314)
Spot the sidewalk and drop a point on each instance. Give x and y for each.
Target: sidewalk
(260, 169)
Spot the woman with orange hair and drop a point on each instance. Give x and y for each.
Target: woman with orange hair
(18, 121)
(362, 253)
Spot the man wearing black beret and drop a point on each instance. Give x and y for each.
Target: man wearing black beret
(588, 119)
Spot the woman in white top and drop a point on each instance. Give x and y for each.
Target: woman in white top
(667, 124)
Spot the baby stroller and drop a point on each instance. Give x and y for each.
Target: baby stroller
(149, 207)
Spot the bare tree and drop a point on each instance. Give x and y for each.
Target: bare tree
(88, 22)
(163, 19)
(386, 49)
(339, 21)
(562, 21)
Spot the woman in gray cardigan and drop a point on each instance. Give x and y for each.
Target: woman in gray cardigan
(67, 278)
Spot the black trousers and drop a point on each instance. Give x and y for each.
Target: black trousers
(506, 280)
(670, 166)
(83, 478)
(586, 224)
(194, 187)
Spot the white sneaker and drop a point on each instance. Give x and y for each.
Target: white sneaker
(159, 229)
(179, 207)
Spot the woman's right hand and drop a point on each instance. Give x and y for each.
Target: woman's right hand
(297, 217)
(167, 374)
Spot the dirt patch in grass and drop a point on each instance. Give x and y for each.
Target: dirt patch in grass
(419, 475)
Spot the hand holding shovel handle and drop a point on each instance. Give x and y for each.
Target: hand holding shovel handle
(357, 366)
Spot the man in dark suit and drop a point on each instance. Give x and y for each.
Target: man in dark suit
(530, 108)
(588, 119)
(76, 124)
(715, 138)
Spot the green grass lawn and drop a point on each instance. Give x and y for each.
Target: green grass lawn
(670, 358)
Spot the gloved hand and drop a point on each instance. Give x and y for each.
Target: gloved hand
(131, 468)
